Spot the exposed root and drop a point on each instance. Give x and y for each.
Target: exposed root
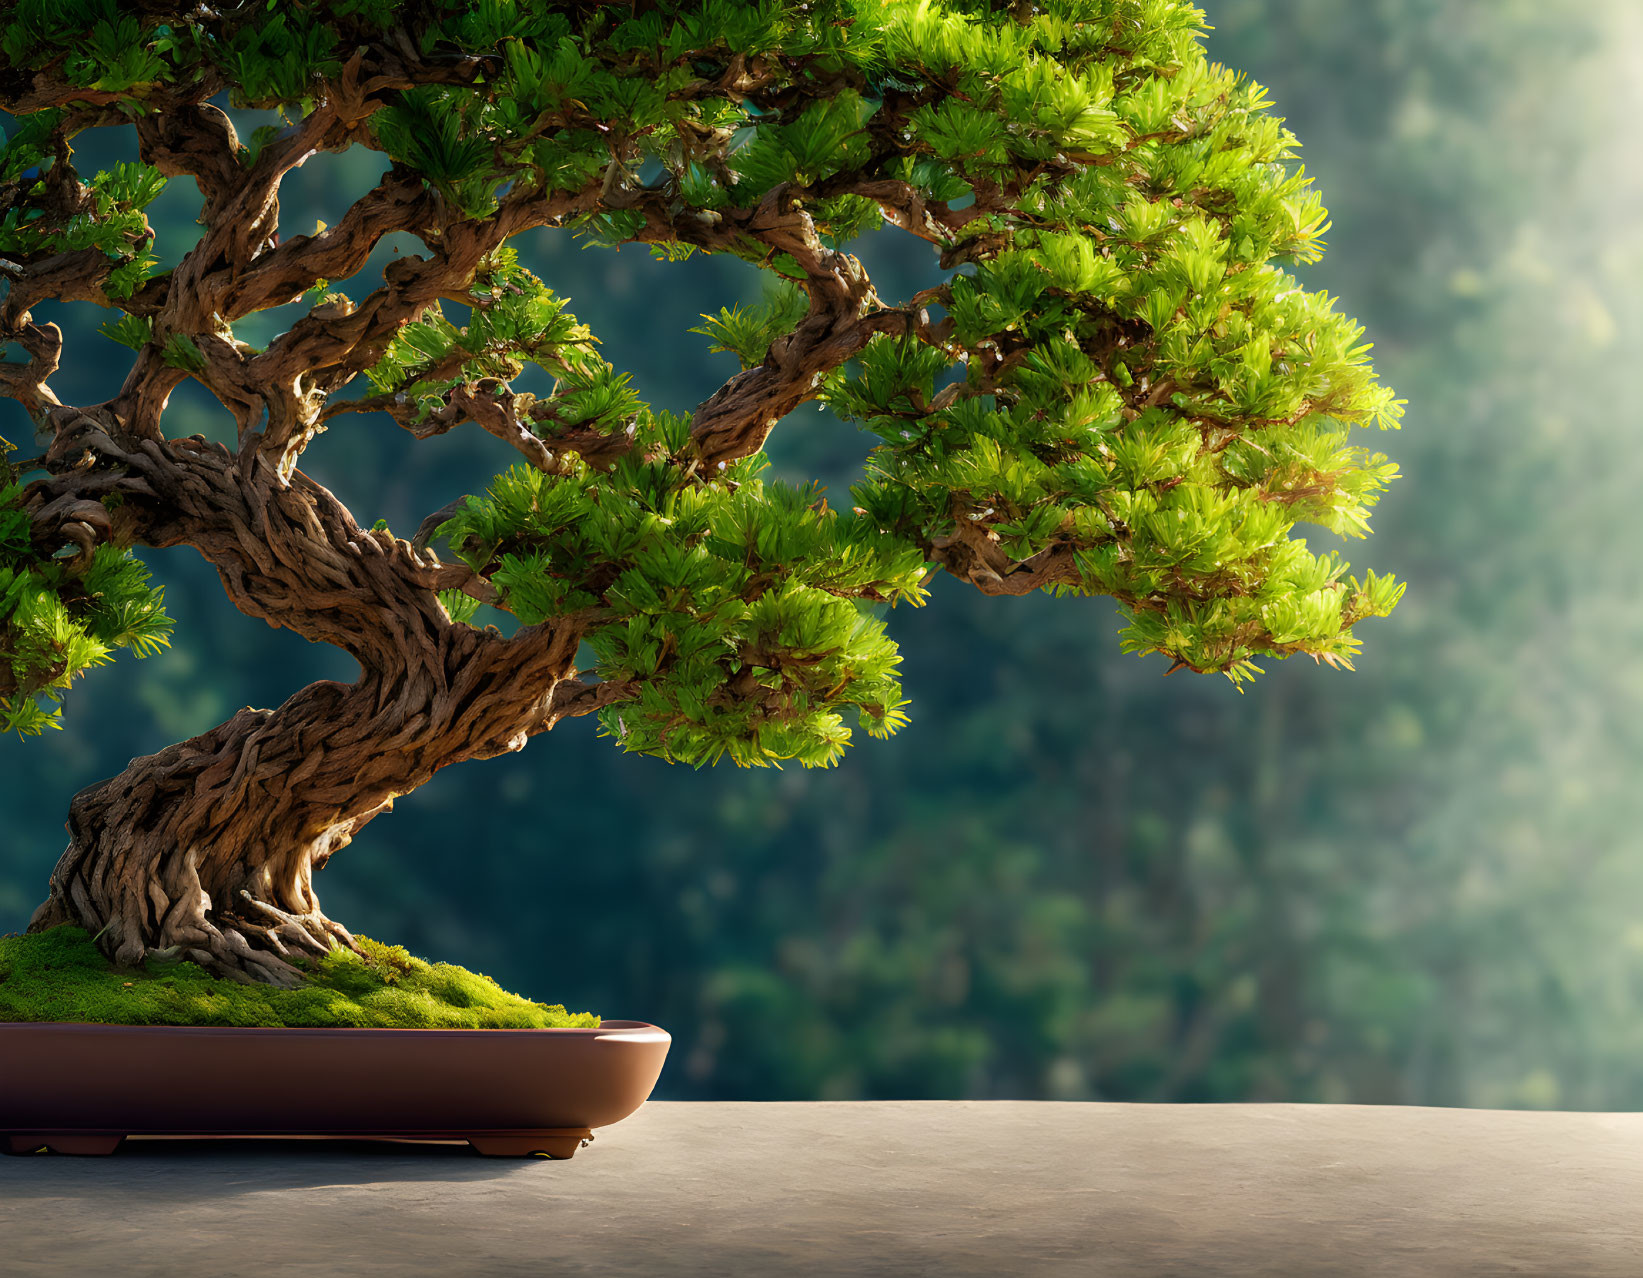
(313, 932)
(230, 956)
(264, 950)
(267, 950)
(50, 913)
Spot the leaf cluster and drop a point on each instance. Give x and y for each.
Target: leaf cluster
(514, 319)
(748, 331)
(108, 218)
(61, 616)
(743, 612)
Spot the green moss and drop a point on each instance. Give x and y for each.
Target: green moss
(58, 975)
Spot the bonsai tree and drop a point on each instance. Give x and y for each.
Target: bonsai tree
(1117, 390)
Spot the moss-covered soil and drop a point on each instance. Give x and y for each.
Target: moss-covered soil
(58, 975)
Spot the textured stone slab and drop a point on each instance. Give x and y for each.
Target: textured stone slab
(908, 1188)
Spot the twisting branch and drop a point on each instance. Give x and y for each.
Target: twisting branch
(972, 554)
(904, 205)
(74, 276)
(26, 383)
(195, 140)
(576, 697)
(400, 202)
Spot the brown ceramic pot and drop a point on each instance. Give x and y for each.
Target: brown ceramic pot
(80, 1089)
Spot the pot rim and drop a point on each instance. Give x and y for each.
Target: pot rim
(632, 1031)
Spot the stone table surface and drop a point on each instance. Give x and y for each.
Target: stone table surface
(949, 1188)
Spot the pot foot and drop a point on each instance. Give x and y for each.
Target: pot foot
(559, 1142)
(94, 1143)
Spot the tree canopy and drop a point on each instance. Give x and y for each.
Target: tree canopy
(1118, 389)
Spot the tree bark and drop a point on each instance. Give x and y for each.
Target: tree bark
(208, 848)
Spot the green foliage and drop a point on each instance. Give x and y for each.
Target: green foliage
(180, 352)
(278, 57)
(1142, 387)
(458, 606)
(105, 48)
(59, 975)
(826, 138)
(747, 332)
(1121, 392)
(431, 130)
(111, 222)
(129, 330)
(739, 610)
(515, 320)
(29, 146)
(61, 616)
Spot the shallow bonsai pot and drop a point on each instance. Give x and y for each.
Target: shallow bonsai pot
(81, 1089)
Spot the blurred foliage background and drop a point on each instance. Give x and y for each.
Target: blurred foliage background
(1069, 878)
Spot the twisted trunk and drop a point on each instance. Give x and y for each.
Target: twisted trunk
(208, 848)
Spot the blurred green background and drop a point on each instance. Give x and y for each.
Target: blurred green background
(1070, 878)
